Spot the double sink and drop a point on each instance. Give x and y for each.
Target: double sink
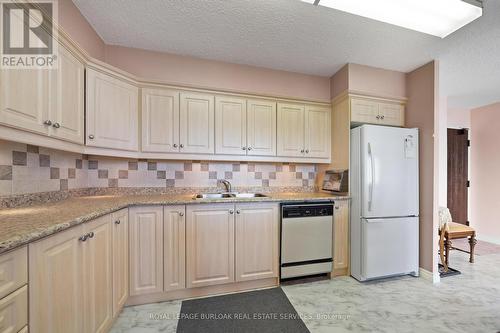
(228, 195)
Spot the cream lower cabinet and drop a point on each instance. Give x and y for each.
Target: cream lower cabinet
(71, 279)
(56, 298)
(98, 275)
(209, 244)
(111, 112)
(341, 238)
(146, 249)
(257, 241)
(174, 247)
(120, 259)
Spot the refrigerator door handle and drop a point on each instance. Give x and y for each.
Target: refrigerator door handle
(372, 177)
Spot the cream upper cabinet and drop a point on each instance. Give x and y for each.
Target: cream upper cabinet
(341, 238)
(257, 239)
(112, 112)
(55, 283)
(174, 248)
(261, 127)
(374, 111)
(209, 244)
(67, 106)
(230, 125)
(291, 129)
(160, 120)
(318, 130)
(25, 99)
(146, 249)
(120, 259)
(98, 276)
(364, 111)
(197, 122)
(392, 114)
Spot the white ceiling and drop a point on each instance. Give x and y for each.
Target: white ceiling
(295, 36)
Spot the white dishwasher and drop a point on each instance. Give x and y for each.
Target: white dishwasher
(306, 239)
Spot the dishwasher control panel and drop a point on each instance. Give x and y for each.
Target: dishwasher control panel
(307, 210)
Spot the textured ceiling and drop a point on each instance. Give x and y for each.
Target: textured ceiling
(294, 36)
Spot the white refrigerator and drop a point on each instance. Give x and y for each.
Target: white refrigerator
(385, 202)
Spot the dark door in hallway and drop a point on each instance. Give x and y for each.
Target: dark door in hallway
(458, 177)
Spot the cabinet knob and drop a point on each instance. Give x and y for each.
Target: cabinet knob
(307, 151)
(231, 211)
(243, 148)
(83, 238)
(181, 214)
(382, 117)
(181, 146)
(378, 117)
(56, 125)
(91, 234)
(249, 148)
(47, 122)
(302, 151)
(91, 136)
(118, 222)
(337, 207)
(238, 211)
(175, 145)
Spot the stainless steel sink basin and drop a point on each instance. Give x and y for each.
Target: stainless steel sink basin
(228, 195)
(249, 195)
(213, 196)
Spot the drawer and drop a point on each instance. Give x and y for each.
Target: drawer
(13, 270)
(14, 311)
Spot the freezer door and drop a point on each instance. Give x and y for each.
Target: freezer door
(389, 247)
(389, 171)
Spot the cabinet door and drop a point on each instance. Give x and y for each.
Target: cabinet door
(256, 241)
(392, 114)
(230, 125)
(341, 238)
(66, 111)
(146, 250)
(197, 123)
(210, 245)
(261, 126)
(55, 283)
(14, 311)
(364, 111)
(120, 260)
(160, 120)
(98, 275)
(13, 270)
(290, 129)
(111, 112)
(174, 249)
(318, 131)
(24, 99)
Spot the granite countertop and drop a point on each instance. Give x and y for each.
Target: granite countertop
(22, 225)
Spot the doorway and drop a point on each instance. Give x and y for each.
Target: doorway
(458, 174)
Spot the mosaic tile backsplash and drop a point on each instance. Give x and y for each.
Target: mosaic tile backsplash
(31, 169)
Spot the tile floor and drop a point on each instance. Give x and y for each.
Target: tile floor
(466, 303)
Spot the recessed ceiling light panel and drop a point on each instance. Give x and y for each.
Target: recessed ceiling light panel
(434, 17)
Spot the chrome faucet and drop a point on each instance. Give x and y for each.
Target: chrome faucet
(226, 183)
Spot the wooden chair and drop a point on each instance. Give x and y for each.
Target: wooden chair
(457, 231)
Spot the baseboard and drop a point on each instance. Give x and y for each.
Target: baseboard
(429, 276)
(493, 240)
(203, 291)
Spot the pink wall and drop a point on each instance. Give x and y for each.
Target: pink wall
(377, 81)
(459, 118)
(421, 93)
(485, 178)
(73, 23)
(368, 80)
(183, 70)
